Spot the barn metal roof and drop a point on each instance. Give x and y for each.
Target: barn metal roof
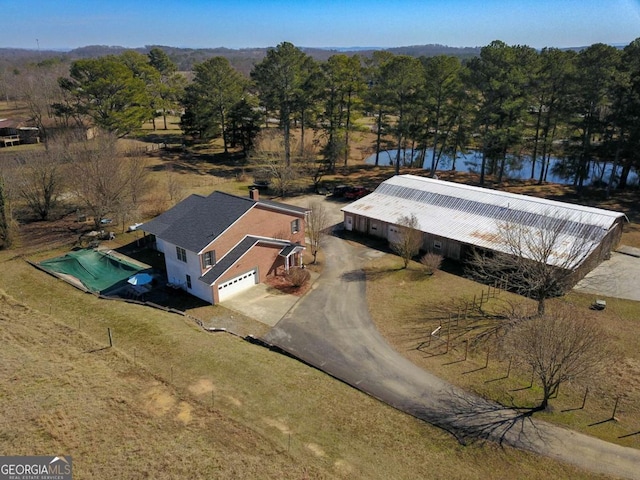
(473, 215)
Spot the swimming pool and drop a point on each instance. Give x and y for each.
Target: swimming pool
(98, 271)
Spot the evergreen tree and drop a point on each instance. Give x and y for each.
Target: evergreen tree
(280, 77)
(109, 90)
(216, 88)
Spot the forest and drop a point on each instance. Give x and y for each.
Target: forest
(505, 102)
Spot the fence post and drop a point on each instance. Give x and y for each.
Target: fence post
(509, 368)
(466, 349)
(448, 334)
(584, 399)
(110, 337)
(615, 407)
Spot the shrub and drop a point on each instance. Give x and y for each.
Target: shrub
(432, 262)
(297, 276)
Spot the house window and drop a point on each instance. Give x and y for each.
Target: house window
(182, 254)
(437, 244)
(374, 227)
(189, 281)
(295, 226)
(208, 259)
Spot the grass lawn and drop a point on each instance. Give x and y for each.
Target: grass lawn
(182, 400)
(408, 305)
(170, 400)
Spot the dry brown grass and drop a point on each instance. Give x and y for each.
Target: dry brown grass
(407, 305)
(199, 405)
(62, 393)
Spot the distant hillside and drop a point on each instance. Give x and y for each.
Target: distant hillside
(243, 59)
(435, 49)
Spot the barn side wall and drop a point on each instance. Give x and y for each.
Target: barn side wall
(602, 252)
(431, 243)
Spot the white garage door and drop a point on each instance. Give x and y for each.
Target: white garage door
(237, 285)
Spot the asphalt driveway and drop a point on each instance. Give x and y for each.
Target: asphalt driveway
(331, 329)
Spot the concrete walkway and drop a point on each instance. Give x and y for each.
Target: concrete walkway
(331, 329)
(264, 303)
(618, 277)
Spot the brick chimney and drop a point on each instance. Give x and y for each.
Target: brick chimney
(254, 194)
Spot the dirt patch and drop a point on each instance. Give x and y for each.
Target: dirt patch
(158, 401)
(184, 413)
(316, 449)
(201, 387)
(272, 422)
(234, 401)
(62, 231)
(343, 466)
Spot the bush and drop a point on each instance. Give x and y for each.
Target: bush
(297, 276)
(432, 262)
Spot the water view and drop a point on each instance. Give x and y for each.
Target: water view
(518, 168)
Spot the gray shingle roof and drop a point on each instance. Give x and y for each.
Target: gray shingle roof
(196, 221)
(284, 206)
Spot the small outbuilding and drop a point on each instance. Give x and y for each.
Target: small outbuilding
(455, 218)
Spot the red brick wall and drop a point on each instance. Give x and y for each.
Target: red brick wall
(260, 222)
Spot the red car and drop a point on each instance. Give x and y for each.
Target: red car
(356, 192)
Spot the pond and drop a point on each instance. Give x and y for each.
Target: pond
(518, 168)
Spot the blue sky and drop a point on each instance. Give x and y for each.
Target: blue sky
(316, 23)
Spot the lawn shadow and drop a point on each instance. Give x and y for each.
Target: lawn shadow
(472, 419)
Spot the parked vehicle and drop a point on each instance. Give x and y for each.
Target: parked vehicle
(340, 190)
(356, 192)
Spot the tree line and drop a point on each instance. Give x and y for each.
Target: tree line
(509, 101)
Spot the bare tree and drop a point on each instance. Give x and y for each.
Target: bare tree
(136, 170)
(539, 260)
(268, 157)
(40, 178)
(7, 230)
(432, 262)
(105, 180)
(317, 223)
(175, 189)
(38, 88)
(269, 160)
(409, 238)
(561, 346)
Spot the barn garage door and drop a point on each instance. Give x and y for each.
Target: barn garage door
(236, 285)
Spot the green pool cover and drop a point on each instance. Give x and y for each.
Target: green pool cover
(98, 271)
